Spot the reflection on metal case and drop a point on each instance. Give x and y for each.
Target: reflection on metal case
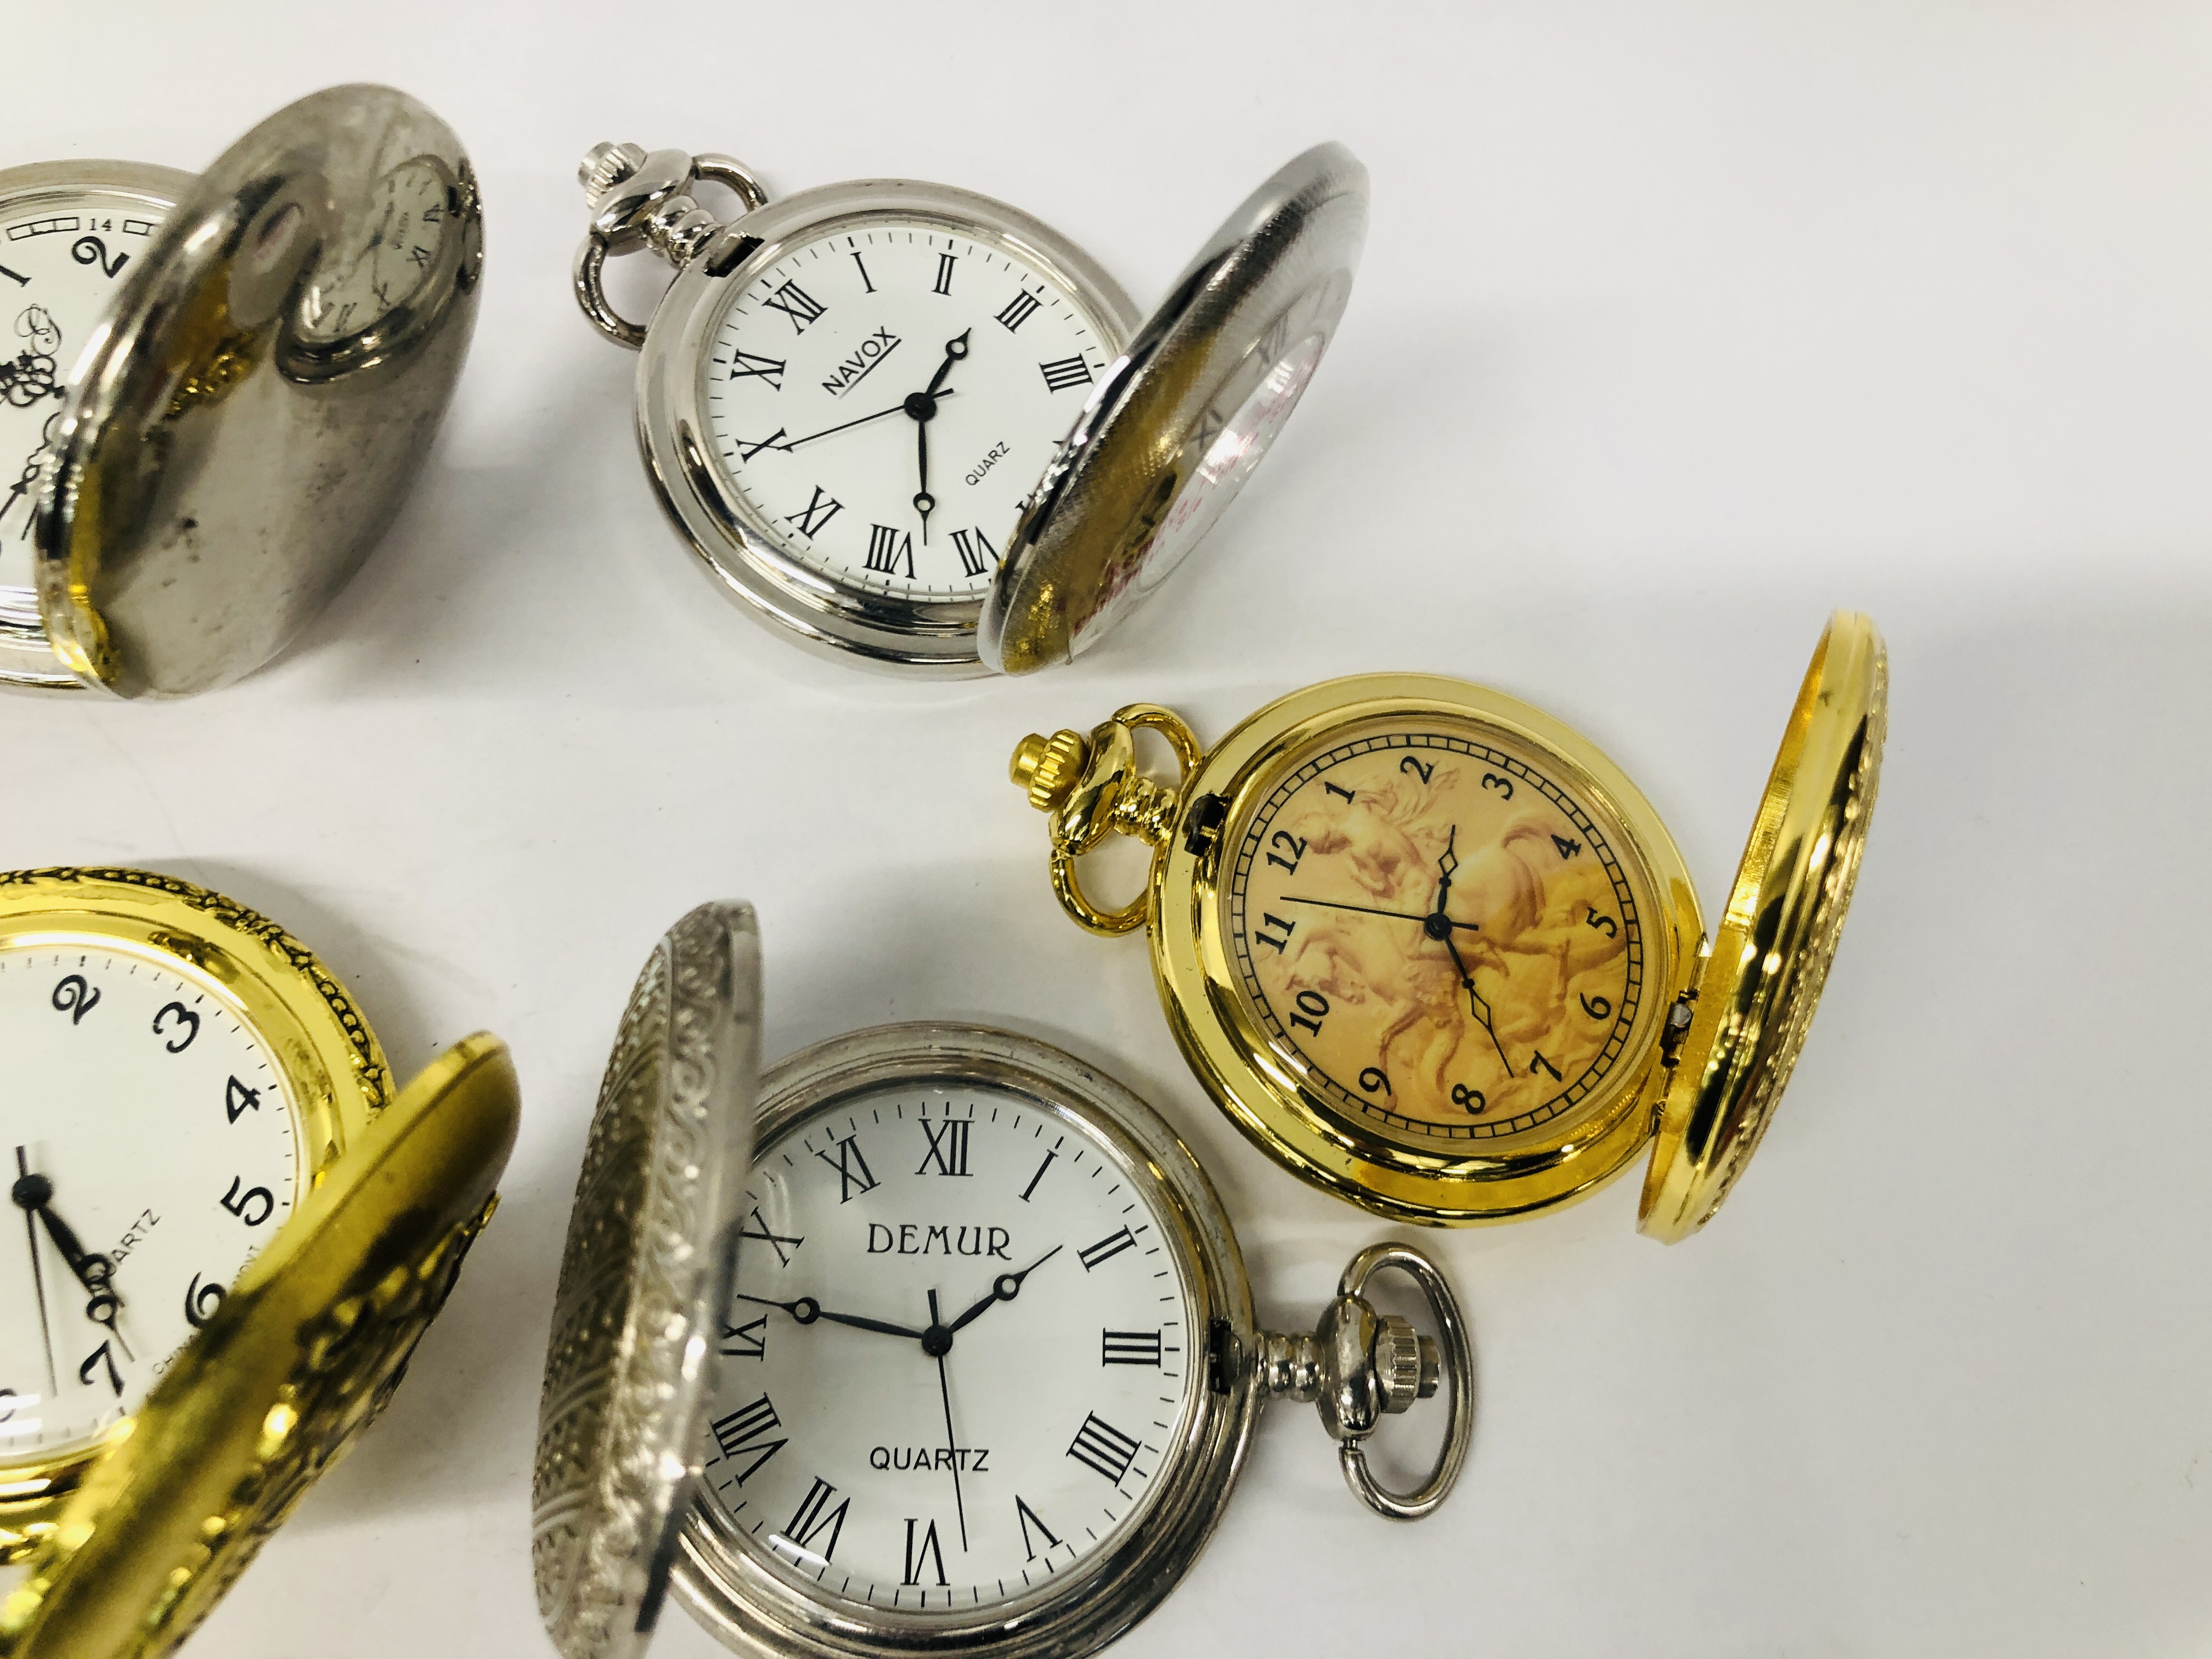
(263, 355)
(913, 428)
(233, 1233)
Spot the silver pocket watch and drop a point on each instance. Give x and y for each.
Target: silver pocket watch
(214, 392)
(986, 1371)
(912, 426)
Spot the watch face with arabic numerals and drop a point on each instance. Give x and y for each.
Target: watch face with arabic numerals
(63, 253)
(883, 395)
(1442, 935)
(957, 1355)
(151, 1147)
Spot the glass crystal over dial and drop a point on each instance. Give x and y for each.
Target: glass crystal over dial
(151, 1148)
(1441, 932)
(64, 254)
(883, 396)
(959, 1352)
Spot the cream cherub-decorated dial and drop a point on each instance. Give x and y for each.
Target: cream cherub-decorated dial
(1440, 934)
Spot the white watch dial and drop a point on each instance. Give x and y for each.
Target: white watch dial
(959, 1353)
(63, 256)
(363, 284)
(151, 1147)
(882, 396)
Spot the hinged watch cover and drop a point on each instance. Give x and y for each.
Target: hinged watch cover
(298, 1358)
(644, 1278)
(1180, 421)
(222, 467)
(1770, 955)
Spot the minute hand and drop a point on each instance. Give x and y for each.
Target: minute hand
(1370, 910)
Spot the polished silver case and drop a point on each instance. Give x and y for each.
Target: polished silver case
(26, 656)
(935, 639)
(218, 473)
(1169, 435)
(756, 1607)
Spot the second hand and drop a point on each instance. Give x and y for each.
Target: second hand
(952, 1440)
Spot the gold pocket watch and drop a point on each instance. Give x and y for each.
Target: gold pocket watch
(1434, 952)
(228, 1232)
(215, 392)
(918, 430)
(985, 1371)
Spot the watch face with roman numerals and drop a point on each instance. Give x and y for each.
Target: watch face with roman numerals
(883, 396)
(151, 1147)
(958, 1353)
(1441, 933)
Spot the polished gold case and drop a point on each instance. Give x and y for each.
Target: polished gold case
(128, 1545)
(1722, 1032)
(1231, 1054)
(267, 979)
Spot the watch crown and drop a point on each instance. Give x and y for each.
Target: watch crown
(1406, 1363)
(607, 164)
(1047, 766)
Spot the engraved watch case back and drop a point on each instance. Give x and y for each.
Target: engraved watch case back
(645, 1274)
(249, 419)
(1768, 961)
(1180, 422)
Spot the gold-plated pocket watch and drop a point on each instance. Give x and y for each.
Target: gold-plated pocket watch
(848, 397)
(1435, 953)
(216, 391)
(229, 1233)
(987, 1369)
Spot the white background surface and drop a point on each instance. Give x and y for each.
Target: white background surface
(1679, 324)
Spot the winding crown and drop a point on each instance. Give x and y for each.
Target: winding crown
(1047, 766)
(607, 164)
(1406, 1363)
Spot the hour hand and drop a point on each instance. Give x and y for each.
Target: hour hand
(805, 1310)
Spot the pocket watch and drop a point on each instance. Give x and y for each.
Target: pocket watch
(216, 391)
(996, 498)
(988, 1369)
(1435, 953)
(227, 1234)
